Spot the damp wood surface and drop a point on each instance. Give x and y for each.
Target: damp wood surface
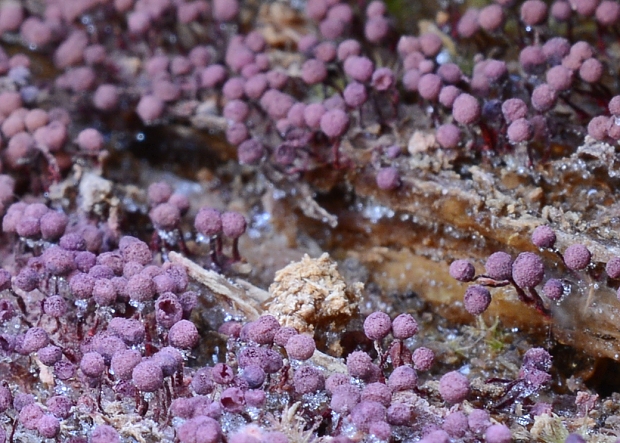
(434, 219)
(406, 238)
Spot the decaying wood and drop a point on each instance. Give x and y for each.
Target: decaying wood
(239, 298)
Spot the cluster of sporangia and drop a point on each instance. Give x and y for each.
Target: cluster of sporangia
(377, 397)
(95, 315)
(99, 321)
(142, 362)
(163, 58)
(527, 272)
(105, 325)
